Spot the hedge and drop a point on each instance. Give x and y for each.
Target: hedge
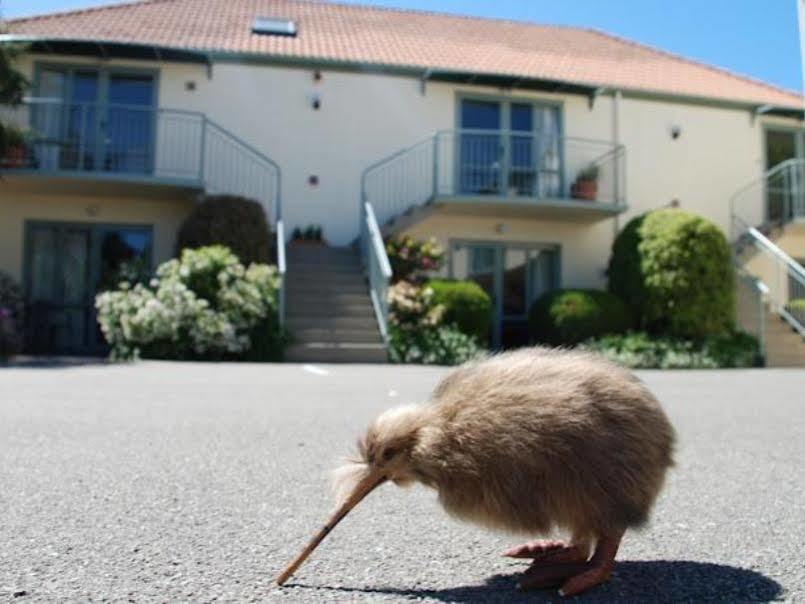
(466, 305)
(570, 316)
(674, 270)
(234, 222)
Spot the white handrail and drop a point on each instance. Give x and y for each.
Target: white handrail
(778, 253)
(281, 269)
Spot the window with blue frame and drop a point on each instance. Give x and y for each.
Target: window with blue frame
(509, 148)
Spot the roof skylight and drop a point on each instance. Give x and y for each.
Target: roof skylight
(271, 26)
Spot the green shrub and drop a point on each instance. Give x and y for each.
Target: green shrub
(640, 350)
(409, 256)
(417, 333)
(674, 269)
(12, 305)
(466, 305)
(206, 305)
(797, 308)
(569, 316)
(237, 223)
(444, 345)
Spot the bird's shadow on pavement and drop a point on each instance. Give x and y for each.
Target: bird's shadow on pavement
(648, 581)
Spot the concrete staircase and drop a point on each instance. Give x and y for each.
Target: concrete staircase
(328, 309)
(784, 346)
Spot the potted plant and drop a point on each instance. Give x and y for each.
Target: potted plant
(310, 235)
(586, 185)
(14, 145)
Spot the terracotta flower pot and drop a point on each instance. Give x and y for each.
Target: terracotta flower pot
(585, 189)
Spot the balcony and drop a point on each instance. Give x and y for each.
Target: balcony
(136, 144)
(501, 173)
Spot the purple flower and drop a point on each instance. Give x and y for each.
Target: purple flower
(4, 312)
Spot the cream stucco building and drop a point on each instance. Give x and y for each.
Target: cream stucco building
(471, 131)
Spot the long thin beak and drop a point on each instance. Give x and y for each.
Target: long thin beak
(363, 488)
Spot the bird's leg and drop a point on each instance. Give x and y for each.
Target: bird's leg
(598, 569)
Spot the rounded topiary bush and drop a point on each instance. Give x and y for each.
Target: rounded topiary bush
(674, 269)
(466, 305)
(237, 223)
(570, 316)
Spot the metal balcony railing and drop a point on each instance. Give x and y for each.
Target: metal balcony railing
(776, 198)
(496, 164)
(131, 142)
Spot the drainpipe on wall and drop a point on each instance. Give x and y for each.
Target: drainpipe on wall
(801, 21)
(617, 95)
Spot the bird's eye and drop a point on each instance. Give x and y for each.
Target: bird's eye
(388, 454)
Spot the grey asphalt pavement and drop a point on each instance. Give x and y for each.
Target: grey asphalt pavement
(167, 482)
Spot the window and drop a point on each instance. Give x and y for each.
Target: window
(270, 26)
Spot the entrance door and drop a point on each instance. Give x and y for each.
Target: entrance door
(67, 265)
(785, 191)
(513, 276)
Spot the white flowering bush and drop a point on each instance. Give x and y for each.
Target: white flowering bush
(417, 333)
(205, 305)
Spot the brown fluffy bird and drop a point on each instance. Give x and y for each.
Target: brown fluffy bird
(527, 442)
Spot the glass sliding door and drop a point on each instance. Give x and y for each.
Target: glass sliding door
(67, 265)
(481, 153)
(509, 148)
(58, 286)
(513, 275)
(129, 124)
(95, 119)
(522, 173)
(781, 146)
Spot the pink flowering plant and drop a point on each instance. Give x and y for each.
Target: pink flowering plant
(409, 256)
(11, 309)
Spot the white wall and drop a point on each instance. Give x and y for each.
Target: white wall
(365, 117)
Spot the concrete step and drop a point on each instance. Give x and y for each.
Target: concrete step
(320, 253)
(336, 297)
(325, 289)
(313, 307)
(340, 335)
(345, 353)
(324, 277)
(319, 268)
(300, 322)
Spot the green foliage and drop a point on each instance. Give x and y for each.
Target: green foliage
(569, 316)
(237, 223)
(640, 350)
(12, 305)
(796, 305)
(466, 305)
(439, 346)
(590, 173)
(674, 270)
(206, 305)
(13, 85)
(417, 333)
(409, 256)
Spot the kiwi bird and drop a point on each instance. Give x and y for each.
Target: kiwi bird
(531, 441)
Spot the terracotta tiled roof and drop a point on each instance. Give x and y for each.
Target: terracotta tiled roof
(360, 34)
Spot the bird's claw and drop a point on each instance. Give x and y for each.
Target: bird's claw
(549, 551)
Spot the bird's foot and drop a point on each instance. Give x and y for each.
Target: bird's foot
(574, 577)
(550, 551)
(578, 576)
(596, 575)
